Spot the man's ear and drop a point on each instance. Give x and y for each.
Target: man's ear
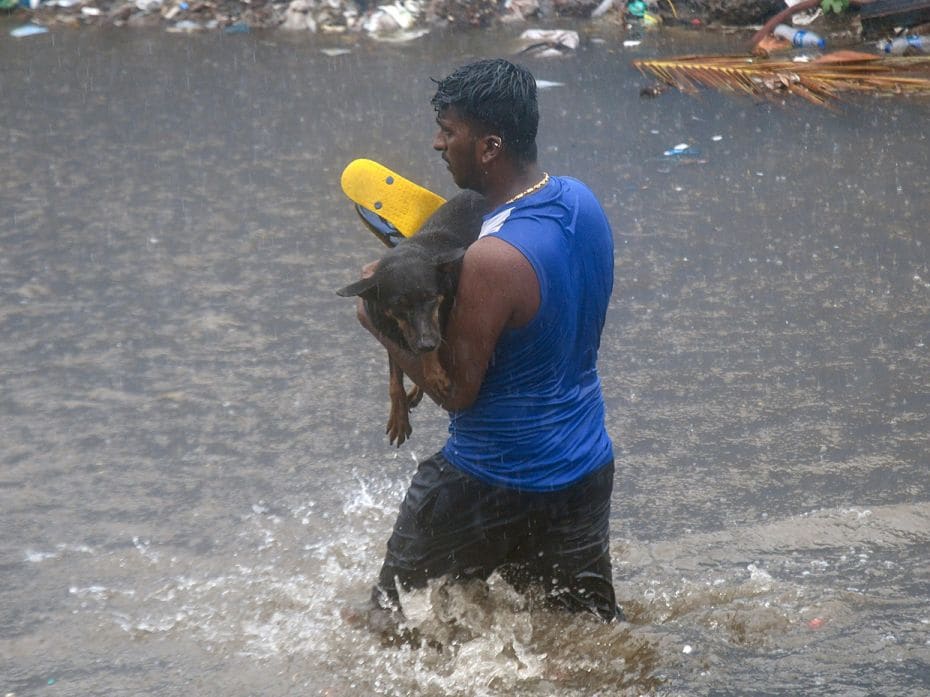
(358, 288)
(491, 147)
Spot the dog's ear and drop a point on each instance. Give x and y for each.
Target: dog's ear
(358, 288)
(450, 256)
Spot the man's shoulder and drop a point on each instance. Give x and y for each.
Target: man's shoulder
(577, 188)
(492, 250)
(497, 260)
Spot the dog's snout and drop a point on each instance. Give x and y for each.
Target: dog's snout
(426, 344)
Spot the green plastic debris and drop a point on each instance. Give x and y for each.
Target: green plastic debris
(836, 6)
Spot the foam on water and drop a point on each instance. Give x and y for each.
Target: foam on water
(691, 602)
(36, 556)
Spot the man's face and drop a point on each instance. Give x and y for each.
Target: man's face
(459, 147)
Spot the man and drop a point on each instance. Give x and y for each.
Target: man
(524, 481)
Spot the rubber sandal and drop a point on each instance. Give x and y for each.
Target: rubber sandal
(393, 198)
(381, 228)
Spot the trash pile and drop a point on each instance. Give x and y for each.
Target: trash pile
(786, 57)
(902, 25)
(399, 20)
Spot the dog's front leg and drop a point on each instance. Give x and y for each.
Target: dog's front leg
(414, 396)
(437, 380)
(398, 427)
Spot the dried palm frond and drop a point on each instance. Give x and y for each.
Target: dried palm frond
(818, 81)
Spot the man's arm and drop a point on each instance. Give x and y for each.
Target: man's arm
(497, 289)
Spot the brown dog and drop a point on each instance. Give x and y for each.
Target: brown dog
(410, 294)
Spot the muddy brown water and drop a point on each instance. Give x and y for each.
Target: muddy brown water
(193, 474)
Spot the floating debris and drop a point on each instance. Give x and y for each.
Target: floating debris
(390, 19)
(298, 16)
(602, 8)
(28, 30)
(799, 38)
(679, 150)
(148, 6)
(819, 81)
(909, 44)
(185, 26)
(653, 90)
(400, 37)
(548, 43)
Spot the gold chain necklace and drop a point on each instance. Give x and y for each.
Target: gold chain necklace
(536, 187)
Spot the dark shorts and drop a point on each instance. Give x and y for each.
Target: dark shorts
(453, 524)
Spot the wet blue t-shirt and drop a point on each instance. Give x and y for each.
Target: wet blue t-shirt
(538, 421)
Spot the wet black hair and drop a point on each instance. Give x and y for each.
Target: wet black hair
(495, 95)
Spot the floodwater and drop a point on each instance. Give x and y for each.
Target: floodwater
(193, 473)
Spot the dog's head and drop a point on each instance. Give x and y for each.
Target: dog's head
(410, 295)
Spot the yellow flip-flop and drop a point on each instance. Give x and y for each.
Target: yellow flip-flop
(397, 200)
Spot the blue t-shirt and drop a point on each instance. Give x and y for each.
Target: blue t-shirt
(538, 421)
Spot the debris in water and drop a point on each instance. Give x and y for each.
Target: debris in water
(909, 44)
(548, 43)
(819, 81)
(400, 37)
(389, 19)
(185, 26)
(28, 30)
(681, 149)
(602, 8)
(799, 38)
(653, 90)
(816, 623)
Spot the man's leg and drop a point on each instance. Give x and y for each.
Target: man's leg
(572, 553)
(450, 523)
(442, 529)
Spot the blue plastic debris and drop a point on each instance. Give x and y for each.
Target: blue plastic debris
(28, 30)
(681, 149)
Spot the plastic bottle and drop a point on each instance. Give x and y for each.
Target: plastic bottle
(799, 38)
(898, 46)
(637, 8)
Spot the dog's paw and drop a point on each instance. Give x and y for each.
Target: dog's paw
(398, 427)
(414, 397)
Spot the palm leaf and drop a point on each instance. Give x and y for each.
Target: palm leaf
(820, 81)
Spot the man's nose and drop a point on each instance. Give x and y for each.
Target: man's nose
(439, 142)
